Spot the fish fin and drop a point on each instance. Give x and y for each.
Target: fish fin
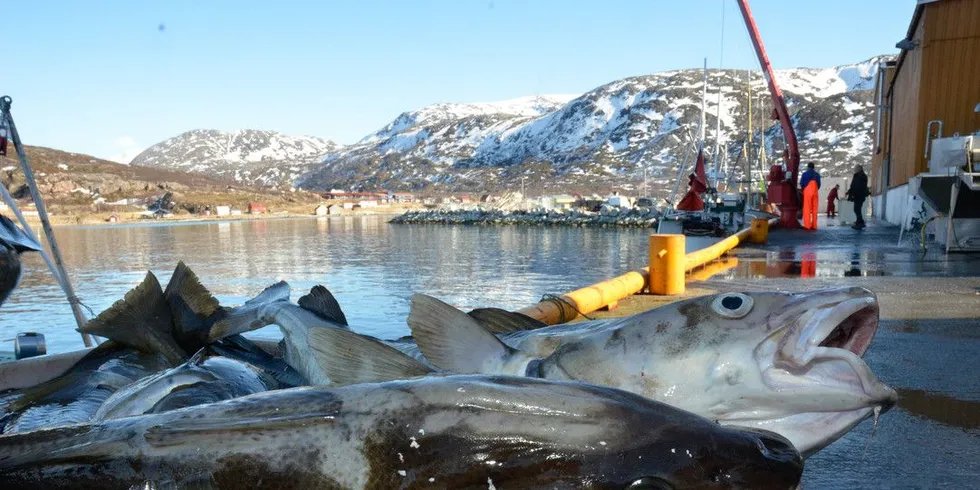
(450, 339)
(18, 239)
(277, 292)
(321, 303)
(350, 358)
(245, 414)
(190, 302)
(200, 356)
(248, 316)
(141, 320)
(500, 321)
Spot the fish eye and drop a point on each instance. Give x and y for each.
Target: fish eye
(733, 305)
(649, 483)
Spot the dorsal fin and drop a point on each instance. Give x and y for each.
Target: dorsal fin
(191, 304)
(141, 320)
(347, 357)
(450, 339)
(500, 321)
(321, 303)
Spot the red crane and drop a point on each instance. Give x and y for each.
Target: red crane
(782, 181)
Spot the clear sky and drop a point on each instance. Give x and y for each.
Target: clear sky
(110, 78)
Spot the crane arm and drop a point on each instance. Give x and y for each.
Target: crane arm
(786, 197)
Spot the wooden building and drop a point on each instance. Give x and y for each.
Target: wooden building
(930, 90)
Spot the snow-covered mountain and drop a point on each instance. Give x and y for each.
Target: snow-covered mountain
(251, 157)
(608, 136)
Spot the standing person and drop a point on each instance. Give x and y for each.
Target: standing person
(858, 192)
(810, 183)
(832, 199)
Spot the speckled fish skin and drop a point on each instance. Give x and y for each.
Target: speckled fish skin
(460, 431)
(760, 363)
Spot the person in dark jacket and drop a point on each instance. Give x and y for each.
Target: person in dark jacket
(857, 193)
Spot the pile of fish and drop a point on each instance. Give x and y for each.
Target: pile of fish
(727, 391)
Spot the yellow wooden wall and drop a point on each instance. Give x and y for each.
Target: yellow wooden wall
(938, 80)
(906, 133)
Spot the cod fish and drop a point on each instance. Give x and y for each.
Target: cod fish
(149, 330)
(459, 432)
(13, 242)
(204, 378)
(140, 345)
(789, 363)
(316, 310)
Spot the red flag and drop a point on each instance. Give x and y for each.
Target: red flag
(697, 184)
(700, 183)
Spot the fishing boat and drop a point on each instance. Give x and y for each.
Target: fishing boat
(712, 205)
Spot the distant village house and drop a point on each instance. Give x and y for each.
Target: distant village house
(257, 208)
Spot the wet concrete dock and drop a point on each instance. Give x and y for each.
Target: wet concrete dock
(927, 347)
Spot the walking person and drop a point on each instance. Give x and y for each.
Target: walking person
(857, 193)
(810, 183)
(832, 199)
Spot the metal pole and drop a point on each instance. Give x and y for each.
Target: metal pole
(42, 213)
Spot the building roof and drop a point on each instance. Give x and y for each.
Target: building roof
(920, 5)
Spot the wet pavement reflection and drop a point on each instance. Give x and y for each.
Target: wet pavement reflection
(845, 252)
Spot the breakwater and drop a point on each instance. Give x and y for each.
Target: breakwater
(607, 217)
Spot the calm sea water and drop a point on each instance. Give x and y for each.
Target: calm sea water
(372, 267)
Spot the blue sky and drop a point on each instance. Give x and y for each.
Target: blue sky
(110, 78)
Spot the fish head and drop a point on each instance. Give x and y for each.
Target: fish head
(788, 363)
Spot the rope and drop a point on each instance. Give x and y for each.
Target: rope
(559, 302)
(75, 300)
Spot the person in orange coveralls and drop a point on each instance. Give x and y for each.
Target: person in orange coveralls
(832, 199)
(810, 183)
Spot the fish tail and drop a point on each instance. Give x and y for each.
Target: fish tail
(141, 320)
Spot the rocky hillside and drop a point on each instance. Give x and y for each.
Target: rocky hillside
(73, 181)
(250, 157)
(607, 137)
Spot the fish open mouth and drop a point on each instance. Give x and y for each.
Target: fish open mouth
(855, 332)
(829, 322)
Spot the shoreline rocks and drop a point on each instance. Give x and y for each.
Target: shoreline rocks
(608, 217)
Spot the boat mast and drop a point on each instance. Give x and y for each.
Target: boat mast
(704, 101)
(721, 63)
(748, 139)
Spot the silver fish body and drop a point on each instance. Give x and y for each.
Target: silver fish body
(789, 363)
(432, 432)
(202, 379)
(76, 396)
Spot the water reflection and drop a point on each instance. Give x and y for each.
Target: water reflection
(941, 408)
(808, 261)
(372, 267)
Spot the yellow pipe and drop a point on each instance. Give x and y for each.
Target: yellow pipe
(712, 252)
(590, 298)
